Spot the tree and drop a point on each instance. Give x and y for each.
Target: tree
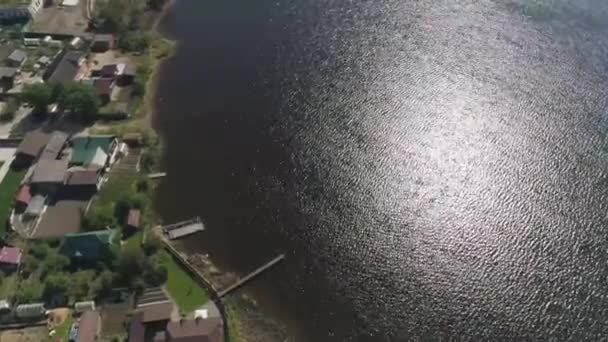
(9, 110)
(98, 218)
(81, 100)
(112, 15)
(30, 264)
(54, 263)
(130, 264)
(102, 285)
(152, 245)
(28, 292)
(39, 95)
(135, 41)
(56, 284)
(40, 250)
(81, 284)
(155, 275)
(156, 4)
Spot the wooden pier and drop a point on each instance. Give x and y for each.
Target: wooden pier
(157, 175)
(251, 275)
(184, 228)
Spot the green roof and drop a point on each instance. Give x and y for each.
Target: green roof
(85, 147)
(88, 246)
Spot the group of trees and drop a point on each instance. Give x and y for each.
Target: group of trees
(79, 99)
(51, 277)
(116, 213)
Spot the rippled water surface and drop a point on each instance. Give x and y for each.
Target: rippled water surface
(431, 168)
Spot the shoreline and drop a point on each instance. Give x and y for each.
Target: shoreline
(243, 318)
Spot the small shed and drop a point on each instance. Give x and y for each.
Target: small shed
(103, 42)
(34, 209)
(30, 311)
(133, 220)
(81, 307)
(10, 258)
(4, 306)
(16, 58)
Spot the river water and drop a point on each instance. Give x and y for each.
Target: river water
(432, 169)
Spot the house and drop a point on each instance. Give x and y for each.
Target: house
(89, 327)
(81, 183)
(49, 175)
(16, 58)
(195, 330)
(148, 320)
(126, 74)
(10, 258)
(30, 147)
(65, 68)
(88, 247)
(103, 88)
(103, 42)
(93, 150)
(24, 196)
(55, 145)
(35, 207)
(63, 218)
(7, 77)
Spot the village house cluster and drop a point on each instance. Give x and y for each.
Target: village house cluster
(62, 169)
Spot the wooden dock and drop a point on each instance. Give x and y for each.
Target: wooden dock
(251, 275)
(184, 228)
(157, 175)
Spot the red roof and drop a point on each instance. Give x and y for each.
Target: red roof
(10, 255)
(134, 216)
(109, 70)
(24, 195)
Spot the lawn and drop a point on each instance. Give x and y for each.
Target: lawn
(118, 185)
(188, 295)
(8, 190)
(62, 331)
(7, 285)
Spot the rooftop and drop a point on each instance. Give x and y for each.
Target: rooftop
(34, 208)
(32, 143)
(133, 219)
(63, 218)
(8, 72)
(10, 255)
(50, 171)
(109, 70)
(91, 245)
(18, 56)
(66, 68)
(55, 145)
(88, 327)
(156, 312)
(24, 195)
(82, 177)
(196, 330)
(85, 147)
(103, 86)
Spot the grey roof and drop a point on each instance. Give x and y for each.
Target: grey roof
(30, 310)
(82, 177)
(55, 145)
(50, 171)
(32, 143)
(7, 72)
(36, 205)
(200, 330)
(18, 56)
(129, 70)
(67, 67)
(103, 38)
